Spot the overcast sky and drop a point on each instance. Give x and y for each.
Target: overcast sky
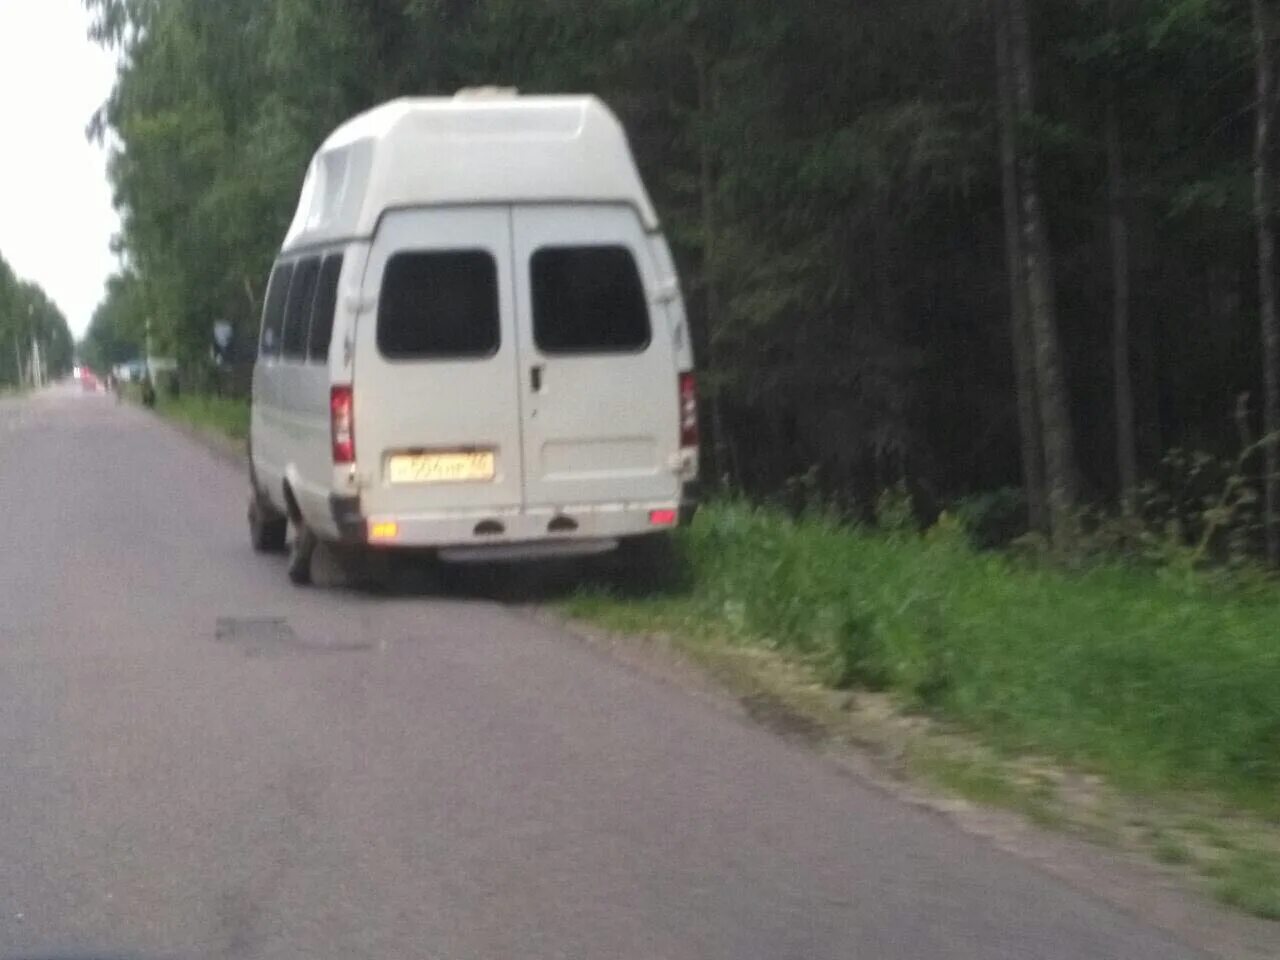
(56, 219)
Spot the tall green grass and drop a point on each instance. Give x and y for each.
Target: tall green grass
(229, 417)
(1158, 680)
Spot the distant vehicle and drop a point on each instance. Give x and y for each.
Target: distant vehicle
(136, 371)
(130, 372)
(473, 341)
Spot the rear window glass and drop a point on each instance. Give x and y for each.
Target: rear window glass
(273, 312)
(588, 300)
(326, 304)
(439, 305)
(297, 315)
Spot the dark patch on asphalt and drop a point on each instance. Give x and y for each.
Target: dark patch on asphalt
(777, 717)
(240, 917)
(303, 788)
(267, 636)
(248, 630)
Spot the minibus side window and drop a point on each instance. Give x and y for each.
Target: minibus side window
(297, 315)
(326, 305)
(273, 312)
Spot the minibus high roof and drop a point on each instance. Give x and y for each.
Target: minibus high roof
(482, 146)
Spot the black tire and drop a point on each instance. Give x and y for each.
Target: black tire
(268, 530)
(301, 550)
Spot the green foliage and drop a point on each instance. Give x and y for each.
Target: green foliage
(1251, 881)
(1158, 681)
(1170, 850)
(1197, 513)
(117, 331)
(225, 416)
(830, 184)
(27, 314)
(895, 511)
(994, 518)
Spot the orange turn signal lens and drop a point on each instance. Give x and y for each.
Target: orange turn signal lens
(381, 531)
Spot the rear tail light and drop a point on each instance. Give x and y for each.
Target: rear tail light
(342, 424)
(663, 518)
(688, 410)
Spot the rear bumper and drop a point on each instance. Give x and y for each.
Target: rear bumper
(588, 526)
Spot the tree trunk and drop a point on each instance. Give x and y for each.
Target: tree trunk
(1264, 216)
(1059, 444)
(252, 296)
(1024, 364)
(1126, 442)
(883, 260)
(720, 454)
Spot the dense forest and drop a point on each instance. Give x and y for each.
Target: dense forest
(1009, 252)
(28, 317)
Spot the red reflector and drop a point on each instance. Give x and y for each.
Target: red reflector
(342, 424)
(688, 410)
(663, 518)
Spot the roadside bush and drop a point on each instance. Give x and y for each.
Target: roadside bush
(222, 415)
(993, 519)
(1205, 503)
(895, 511)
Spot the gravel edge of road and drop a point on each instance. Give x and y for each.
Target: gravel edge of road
(231, 451)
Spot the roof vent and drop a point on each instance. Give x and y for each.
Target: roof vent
(486, 93)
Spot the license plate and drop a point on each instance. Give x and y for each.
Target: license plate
(441, 467)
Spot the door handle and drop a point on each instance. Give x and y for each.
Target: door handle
(535, 377)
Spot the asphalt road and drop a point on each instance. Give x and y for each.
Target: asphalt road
(198, 760)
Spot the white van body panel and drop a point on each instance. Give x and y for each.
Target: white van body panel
(437, 151)
(289, 422)
(266, 447)
(597, 441)
(438, 404)
(602, 428)
(670, 297)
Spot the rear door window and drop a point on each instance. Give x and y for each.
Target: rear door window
(325, 306)
(297, 315)
(273, 312)
(588, 299)
(439, 305)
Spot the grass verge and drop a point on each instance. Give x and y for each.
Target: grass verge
(222, 415)
(985, 781)
(1251, 882)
